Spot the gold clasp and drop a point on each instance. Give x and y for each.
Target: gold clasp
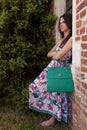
(59, 74)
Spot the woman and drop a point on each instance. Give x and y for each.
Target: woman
(54, 103)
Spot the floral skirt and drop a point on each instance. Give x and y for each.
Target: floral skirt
(53, 103)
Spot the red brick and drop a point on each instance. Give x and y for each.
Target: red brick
(83, 69)
(82, 5)
(85, 22)
(84, 103)
(74, 120)
(77, 38)
(82, 30)
(77, 1)
(82, 91)
(84, 54)
(86, 91)
(82, 76)
(78, 88)
(77, 83)
(78, 100)
(83, 13)
(84, 112)
(86, 2)
(84, 85)
(84, 46)
(84, 38)
(77, 127)
(82, 124)
(77, 106)
(78, 24)
(77, 32)
(77, 16)
(76, 124)
(83, 61)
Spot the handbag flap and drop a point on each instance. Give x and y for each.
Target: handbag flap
(59, 72)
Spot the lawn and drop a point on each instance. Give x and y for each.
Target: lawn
(12, 118)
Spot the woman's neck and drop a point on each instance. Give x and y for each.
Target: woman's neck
(66, 33)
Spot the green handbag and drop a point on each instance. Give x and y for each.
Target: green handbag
(59, 79)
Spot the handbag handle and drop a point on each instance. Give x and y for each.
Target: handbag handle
(66, 63)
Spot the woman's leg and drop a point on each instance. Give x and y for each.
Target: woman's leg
(50, 122)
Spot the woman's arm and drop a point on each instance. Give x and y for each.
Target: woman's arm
(52, 52)
(59, 54)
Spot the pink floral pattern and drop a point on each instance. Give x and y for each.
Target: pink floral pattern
(56, 104)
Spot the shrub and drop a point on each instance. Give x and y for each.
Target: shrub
(25, 38)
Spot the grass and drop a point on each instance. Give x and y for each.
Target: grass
(12, 118)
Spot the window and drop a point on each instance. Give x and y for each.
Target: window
(69, 5)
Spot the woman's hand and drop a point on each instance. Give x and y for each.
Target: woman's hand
(60, 54)
(62, 59)
(51, 53)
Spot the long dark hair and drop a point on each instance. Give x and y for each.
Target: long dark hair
(68, 20)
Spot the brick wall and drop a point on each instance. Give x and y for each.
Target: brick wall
(79, 98)
(79, 62)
